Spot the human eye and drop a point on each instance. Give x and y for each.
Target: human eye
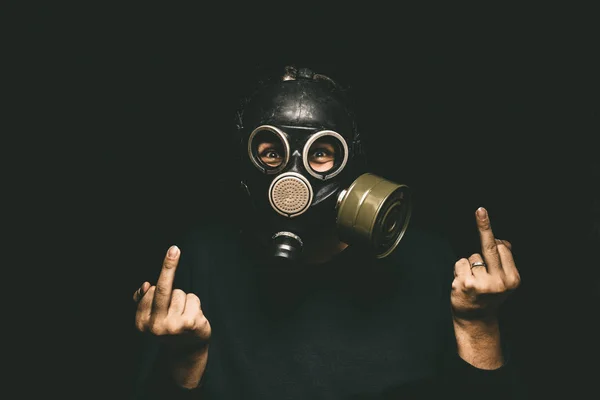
(321, 153)
(271, 156)
(321, 157)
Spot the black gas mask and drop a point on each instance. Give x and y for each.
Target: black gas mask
(303, 171)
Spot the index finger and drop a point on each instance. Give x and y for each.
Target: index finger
(164, 285)
(489, 248)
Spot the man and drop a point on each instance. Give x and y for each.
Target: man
(324, 290)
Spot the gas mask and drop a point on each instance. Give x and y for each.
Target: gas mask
(303, 172)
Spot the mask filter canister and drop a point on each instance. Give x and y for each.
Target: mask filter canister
(373, 213)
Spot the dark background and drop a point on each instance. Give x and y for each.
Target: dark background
(124, 112)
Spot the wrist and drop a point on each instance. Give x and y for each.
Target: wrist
(478, 342)
(189, 355)
(477, 328)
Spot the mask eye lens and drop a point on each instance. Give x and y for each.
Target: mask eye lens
(325, 154)
(322, 154)
(267, 150)
(270, 153)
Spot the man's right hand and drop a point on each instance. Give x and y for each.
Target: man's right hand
(177, 318)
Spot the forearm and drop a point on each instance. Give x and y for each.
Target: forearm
(187, 372)
(171, 375)
(478, 343)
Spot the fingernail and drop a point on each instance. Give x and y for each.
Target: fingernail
(481, 213)
(173, 252)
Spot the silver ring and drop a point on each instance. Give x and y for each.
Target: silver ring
(477, 264)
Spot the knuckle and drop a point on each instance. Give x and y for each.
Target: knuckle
(517, 279)
(173, 327)
(161, 290)
(140, 325)
(460, 262)
(190, 323)
(482, 287)
(470, 283)
(178, 294)
(476, 257)
(513, 281)
(456, 285)
(149, 294)
(157, 328)
(504, 249)
(495, 284)
(202, 325)
(497, 289)
(485, 284)
(491, 246)
(205, 326)
(191, 297)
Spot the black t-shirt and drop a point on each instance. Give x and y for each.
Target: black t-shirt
(352, 328)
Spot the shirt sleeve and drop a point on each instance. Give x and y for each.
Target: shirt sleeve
(461, 380)
(154, 381)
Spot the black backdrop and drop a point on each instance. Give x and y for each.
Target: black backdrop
(471, 108)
